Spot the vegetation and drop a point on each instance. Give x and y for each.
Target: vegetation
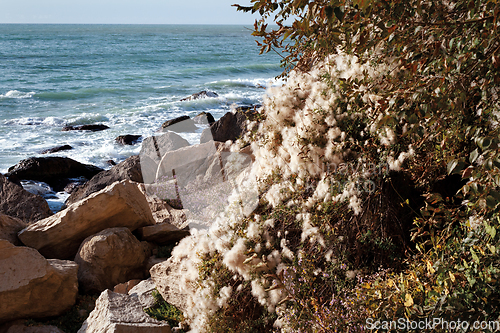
(164, 311)
(378, 165)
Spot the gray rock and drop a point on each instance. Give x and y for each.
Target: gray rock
(179, 125)
(230, 127)
(118, 313)
(144, 292)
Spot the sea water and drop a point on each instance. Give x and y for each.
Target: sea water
(128, 77)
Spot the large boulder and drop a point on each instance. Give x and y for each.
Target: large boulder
(154, 148)
(163, 233)
(17, 202)
(119, 313)
(110, 257)
(164, 213)
(179, 125)
(9, 227)
(53, 170)
(122, 204)
(130, 169)
(32, 286)
(204, 118)
(229, 127)
(144, 292)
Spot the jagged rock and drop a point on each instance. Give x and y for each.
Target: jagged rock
(163, 233)
(56, 149)
(118, 313)
(9, 227)
(154, 148)
(92, 128)
(167, 277)
(121, 204)
(53, 170)
(179, 125)
(230, 127)
(164, 213)
(201, 94)
(110, 257)
(17, 202)
(130, 169)
(127, 139)
(144, 292)
(204, 118)
(32, 286)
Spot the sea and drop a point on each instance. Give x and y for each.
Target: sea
(128, 77)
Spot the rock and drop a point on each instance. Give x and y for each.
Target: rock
(127, 139)
(74, 184)
(130, 169)
(21, 328)
(118, 313)
(201, 94)
(54, 171)
(168, 279)
(56, 149)
(92, 128)
(123, 288)
(32, 286)
(179, 125)
(144, 292)
(230, 127)
(121, 204)
(9, 227)
(163, 213)
(204, 118)
(110, 162)
(154, 148)
(110, 257)
(17, 202)
(163, 233)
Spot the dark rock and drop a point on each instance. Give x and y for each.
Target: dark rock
(127, 139)
(54, 171)
(201, 94)
(204, 118)
(248, 109)
(152, 150)
(17, 202)
(179, 125)
(230, 127)
(56, 149)
(75, 184)
(110, 162)
(130, 169)
(92, 128)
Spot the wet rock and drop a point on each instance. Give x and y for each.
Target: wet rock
(179, 125)
(37, 288)
(127, 139)
(230, 127)
(110, 257)
(54, 171)
(56, 149)
(17, 202)
(201, 94)
(121, 204)
(130, 169)
(91, 128)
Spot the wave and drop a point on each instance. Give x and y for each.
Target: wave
(253, 83)
(18, 94)
(47, 121)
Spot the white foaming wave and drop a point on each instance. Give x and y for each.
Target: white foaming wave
(18, 94)
(256, 83)
(48, 121)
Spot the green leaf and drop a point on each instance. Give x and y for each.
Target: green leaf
(455, 166)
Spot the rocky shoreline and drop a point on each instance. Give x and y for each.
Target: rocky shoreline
(108, 233)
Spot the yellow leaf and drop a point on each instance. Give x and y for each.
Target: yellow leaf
(452, 277)
(408, 300)
(429, 267)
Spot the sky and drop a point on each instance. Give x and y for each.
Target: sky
(124, 11)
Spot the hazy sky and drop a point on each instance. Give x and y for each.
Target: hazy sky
(124, 11)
